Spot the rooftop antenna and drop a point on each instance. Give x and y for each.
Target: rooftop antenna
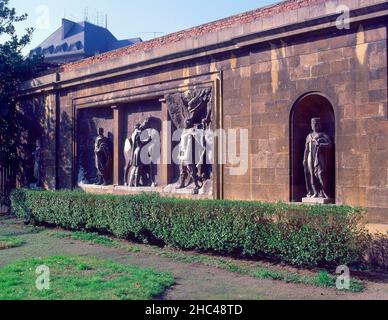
(64, 13)
(102, 20)
(106, 21)
(86, 14)
(155, 33)
(98, 19)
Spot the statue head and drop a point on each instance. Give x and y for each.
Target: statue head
(137, 126)
(101, 131)
(186, 97)
(145, 124)
(316, 124)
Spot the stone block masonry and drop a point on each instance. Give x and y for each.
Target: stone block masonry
(271, 70)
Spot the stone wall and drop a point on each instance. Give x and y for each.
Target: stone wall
(257, 86)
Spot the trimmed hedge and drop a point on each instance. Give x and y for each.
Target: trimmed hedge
(295, 234)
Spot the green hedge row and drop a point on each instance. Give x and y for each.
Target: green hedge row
(296, 234)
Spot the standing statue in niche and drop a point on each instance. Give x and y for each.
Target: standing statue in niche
(132, 153)
(317, 161)
(37, 156)
(103, 158)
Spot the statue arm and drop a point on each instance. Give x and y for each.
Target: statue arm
(305, 156)
(196, 102)
(325, 142)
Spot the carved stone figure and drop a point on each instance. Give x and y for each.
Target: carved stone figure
(192, 113)
(81, 176)
(132, 152)
(103, 158)
(192, 104)
(187, 157)
(37, 156)
(197, 106)
(316, 162)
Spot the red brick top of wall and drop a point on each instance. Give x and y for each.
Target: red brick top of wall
(242, 18)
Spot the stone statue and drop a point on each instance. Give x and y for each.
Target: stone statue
(103, 158)
(188, 166)
(192, 104)
(37, 156)
(81, 176)
(316, 162)
(132, 152)
(191, 111)
(196, 104)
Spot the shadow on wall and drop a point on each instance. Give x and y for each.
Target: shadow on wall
(89, 121)
(27, 130)
(65, 152)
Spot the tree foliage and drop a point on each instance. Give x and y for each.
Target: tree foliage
(14, 68)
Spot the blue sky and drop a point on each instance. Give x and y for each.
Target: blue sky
(128, 19)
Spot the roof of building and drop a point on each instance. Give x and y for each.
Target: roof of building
(243, 18)
(82, 39)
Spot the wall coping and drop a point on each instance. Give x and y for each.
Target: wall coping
(319, 16)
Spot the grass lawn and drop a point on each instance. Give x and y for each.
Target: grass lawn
(10, 242)
(81, 278)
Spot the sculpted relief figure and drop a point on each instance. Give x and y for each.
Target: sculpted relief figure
(37, 156)
(132, 153)
(188, 166)
(317, 160)
(196, 104)
(192, 113)
(103, 158)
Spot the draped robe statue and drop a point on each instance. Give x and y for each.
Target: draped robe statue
(37, 155)
(317, 160)
(188, 149)
(103, 158)
(132, 153)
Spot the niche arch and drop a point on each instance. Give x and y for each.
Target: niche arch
(308, 106)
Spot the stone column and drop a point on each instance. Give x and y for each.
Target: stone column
(165, 136)
(118, 136)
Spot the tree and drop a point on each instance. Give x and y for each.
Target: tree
(14, 68)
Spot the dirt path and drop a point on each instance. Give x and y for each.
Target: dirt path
(193, 281)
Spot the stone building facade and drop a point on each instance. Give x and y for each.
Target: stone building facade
(270, 71)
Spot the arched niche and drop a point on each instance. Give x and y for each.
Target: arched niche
(307, 107)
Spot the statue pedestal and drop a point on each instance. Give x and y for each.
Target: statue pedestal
(137, 189)
(172, 189)
(206, 190)
(317, 201)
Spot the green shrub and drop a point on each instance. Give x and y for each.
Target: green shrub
(296, 234)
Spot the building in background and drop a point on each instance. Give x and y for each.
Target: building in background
(75, 41)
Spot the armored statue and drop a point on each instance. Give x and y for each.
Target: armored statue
(103, 158)
(187, 157)
(197, 105)
(132, 152)
(192, 113)
(317, 161)
(37, 156)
